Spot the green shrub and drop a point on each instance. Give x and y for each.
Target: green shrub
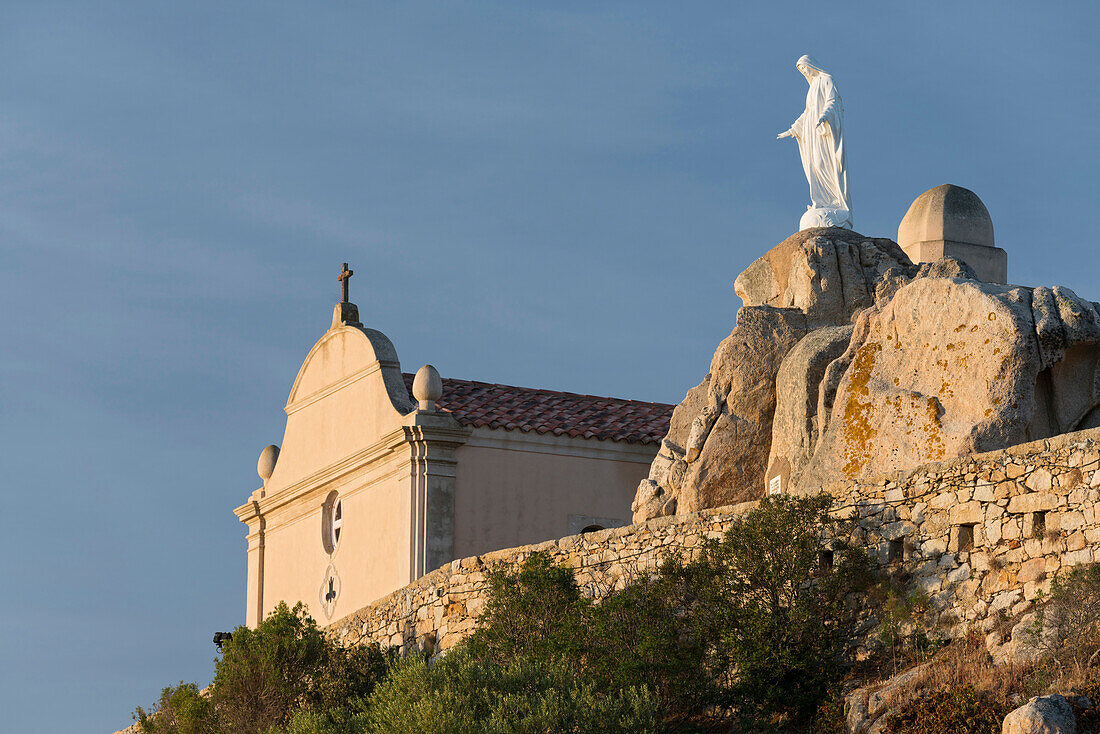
(266, 672)
(750, 630)
(535, 611)
(656, 631)
(181, 709)
(461, 695)
(265, 675)
(783, 625)
(957, 710)
(751, 633)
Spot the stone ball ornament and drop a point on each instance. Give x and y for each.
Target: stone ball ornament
(265, 467)
(427, 387)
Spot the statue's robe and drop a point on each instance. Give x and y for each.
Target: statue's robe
(823, 156)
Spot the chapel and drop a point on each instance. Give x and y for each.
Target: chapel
(383, 476)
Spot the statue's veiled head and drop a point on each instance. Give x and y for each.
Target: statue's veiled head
(808, 67)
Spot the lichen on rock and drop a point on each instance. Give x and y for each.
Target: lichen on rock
(848, 360)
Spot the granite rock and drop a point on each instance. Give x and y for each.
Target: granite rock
(796, 426)
(1042, 715)
(828, 274)
(949, 366)
(716, 449)
(718, 445)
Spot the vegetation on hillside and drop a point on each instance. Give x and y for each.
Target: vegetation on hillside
(961, 689)
(267, 675)
(750, 634)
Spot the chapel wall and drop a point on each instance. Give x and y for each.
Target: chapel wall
(514, 489)
(911, 522)
(368, 560)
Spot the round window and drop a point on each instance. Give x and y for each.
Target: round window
(332, 521)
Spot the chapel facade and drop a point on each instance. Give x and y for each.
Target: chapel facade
(383, 476)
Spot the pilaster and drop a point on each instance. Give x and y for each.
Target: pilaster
(432, 438)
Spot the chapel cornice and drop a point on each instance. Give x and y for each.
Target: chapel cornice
(438, 434)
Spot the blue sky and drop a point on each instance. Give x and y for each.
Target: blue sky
(551, 195)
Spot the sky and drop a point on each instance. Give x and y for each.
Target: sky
(553, 195)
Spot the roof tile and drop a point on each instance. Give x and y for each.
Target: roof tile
(485, 404)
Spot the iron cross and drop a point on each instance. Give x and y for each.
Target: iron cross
(344, 278)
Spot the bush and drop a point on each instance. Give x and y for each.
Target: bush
(268, 673)
(750, 629)
(784, 624)
(463, 695)
(181, 709)
(750, 633)
(956, 710)
(656, 631)
(535, 611)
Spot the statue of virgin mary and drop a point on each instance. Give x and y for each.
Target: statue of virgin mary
(819, 131)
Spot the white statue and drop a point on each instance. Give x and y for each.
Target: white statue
(819, 131)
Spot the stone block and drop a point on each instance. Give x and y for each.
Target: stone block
(943, 501)
(896, 530)
(968, 513)
(1070, 521)
(1036, 589)
(934, 545)
(1077, 558)
(916, 513)
(984, 493)
(992, 530)
(1005, 599)
(1032, 570)
(1033, 502)
(1040, 480)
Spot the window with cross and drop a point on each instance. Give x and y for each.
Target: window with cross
(332, 522)
(337, 521)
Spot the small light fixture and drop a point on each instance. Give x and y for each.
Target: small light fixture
(220, 638)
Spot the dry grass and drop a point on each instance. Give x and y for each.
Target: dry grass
(965, 663)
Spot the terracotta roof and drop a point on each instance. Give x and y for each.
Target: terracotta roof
(484, 404)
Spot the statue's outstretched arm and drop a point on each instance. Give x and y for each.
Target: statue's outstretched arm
(792, 131)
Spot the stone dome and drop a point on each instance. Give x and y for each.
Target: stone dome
(947, 213)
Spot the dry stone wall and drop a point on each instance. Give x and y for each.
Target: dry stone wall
(982, 536)
(439, 609)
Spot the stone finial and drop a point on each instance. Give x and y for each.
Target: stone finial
(427, 388)
(952, 221)
(345, 313)
(266, 465)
